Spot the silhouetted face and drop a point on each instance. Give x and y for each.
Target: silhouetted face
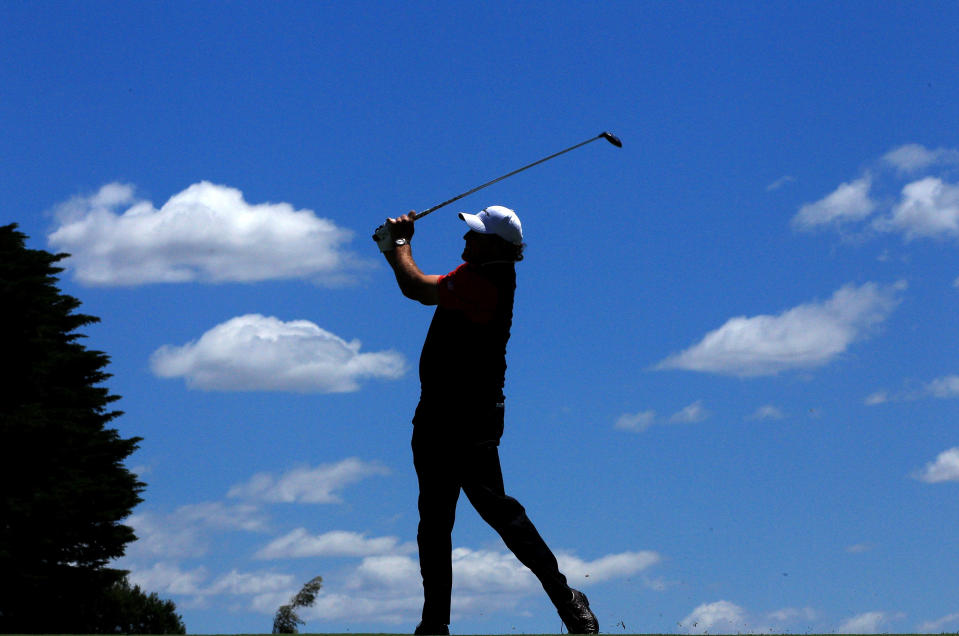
(483, 248)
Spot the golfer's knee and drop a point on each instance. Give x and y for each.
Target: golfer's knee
(432, 523)
(500, 511)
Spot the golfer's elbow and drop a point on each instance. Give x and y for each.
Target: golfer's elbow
(421, 294)
(422, 291)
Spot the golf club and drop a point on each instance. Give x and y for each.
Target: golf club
(608, 136)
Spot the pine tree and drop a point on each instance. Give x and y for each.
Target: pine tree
(64, 490)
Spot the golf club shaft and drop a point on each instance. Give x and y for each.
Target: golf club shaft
(604, 135)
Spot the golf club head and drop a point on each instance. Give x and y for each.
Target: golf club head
(613, 139)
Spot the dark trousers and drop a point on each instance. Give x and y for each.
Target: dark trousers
(445, 464)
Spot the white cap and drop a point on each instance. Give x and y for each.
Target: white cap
(497, 220)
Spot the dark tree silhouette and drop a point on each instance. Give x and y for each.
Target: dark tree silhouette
(127, 609)
(64, 489)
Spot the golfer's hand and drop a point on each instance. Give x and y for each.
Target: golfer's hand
(402, 227)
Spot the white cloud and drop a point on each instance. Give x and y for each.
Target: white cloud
(849, 202)
(940, 625)
(384, 587)
(387, 587)
(307, 485)
(266, 590)
(766, 412)
(944, 468)
(482, 571)
(187, 531)
(206, 233)
(911, 158)
(612, 566)
(637, 422)
(392, 609)
(721, 617)
(390, 572)
(168, 578)
(867, 623)
(690, 414)
(643, 420)
(806, 336)
(338, 543)
(928, 208)
(259, 353)
(944, 387)
(250, 583)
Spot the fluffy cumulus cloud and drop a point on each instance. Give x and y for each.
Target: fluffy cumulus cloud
(944, 387)
(948, 623)
(494, 572)
(849, 202)
(868, 623)
(944, 468)
(386, 587)
(170, 579)
(928, 208)
(376, 579)
(724, 617)
(720, 617)
(612, 566)
(205, 233)
(927, 204)
(912, 158)
(192, 533)
(187, 531)
(806, 336)
(262, 591)
(319, 485)
(260, 353)
(391, 609)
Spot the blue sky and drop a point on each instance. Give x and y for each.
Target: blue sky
(733, 377)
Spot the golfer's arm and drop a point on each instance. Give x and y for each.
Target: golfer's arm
(413, 283)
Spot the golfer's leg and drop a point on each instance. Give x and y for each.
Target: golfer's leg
(439, 491)
(483, 485)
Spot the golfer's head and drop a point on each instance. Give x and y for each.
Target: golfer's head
(495, 234)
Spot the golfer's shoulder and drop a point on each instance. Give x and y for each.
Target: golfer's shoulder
(473, 287)
(491, 276)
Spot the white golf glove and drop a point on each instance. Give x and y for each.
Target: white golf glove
(384, 238)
